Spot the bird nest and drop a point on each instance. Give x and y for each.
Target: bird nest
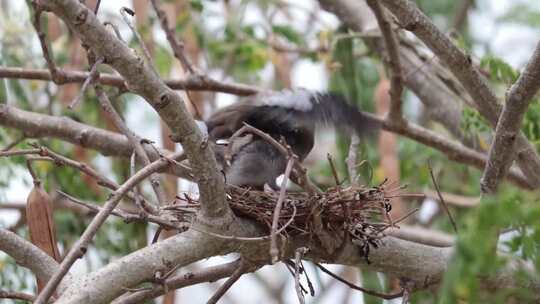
(358, 212)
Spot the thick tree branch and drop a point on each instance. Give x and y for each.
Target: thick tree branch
(422, 235)
(412, 19)
(517, 101)
(209, 274)
(191, 82)
(28, 255)
(423, 265)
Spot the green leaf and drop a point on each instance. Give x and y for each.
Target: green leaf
(196, 5)
(3, 91)
(287, 32)
(499, 69)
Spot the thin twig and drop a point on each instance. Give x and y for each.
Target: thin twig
(401, 219)
(57, 74)
(35, 178)
(47, 154)
(14, 143)
(391, 42)
(381, 295)
(460, 15)
(92, 76)
(333, 168)
(274, 251)
(176, 44)
(209, 274)
(96, 9)
(189, 82)
(230, 281)
(107, 106)
(352, 159)
(62, 160)
(125, 10)
(127, 217)
(19, 152)
(441, 199)
(14, 295)
(115, 29)
(298, 255)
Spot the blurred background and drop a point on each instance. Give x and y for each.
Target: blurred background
(277, 44)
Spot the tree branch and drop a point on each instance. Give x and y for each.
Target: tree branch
(423, 265)
(209, 274)
(28, 255)
(238, 272)
(35, 125)
(433, 85)
(508, 127)
(453, 150)
(4, 294)
(176, 45)
(190, 82)
(393, 62)
(422, 235)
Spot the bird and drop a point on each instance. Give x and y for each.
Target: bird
(292, 115)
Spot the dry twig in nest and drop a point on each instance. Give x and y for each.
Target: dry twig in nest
(359, 213)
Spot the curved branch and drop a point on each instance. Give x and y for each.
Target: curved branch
(30, 256)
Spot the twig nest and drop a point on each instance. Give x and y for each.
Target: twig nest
(358, 213)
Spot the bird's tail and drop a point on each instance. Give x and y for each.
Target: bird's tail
(319, 109)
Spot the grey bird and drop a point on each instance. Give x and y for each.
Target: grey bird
(292, 115)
